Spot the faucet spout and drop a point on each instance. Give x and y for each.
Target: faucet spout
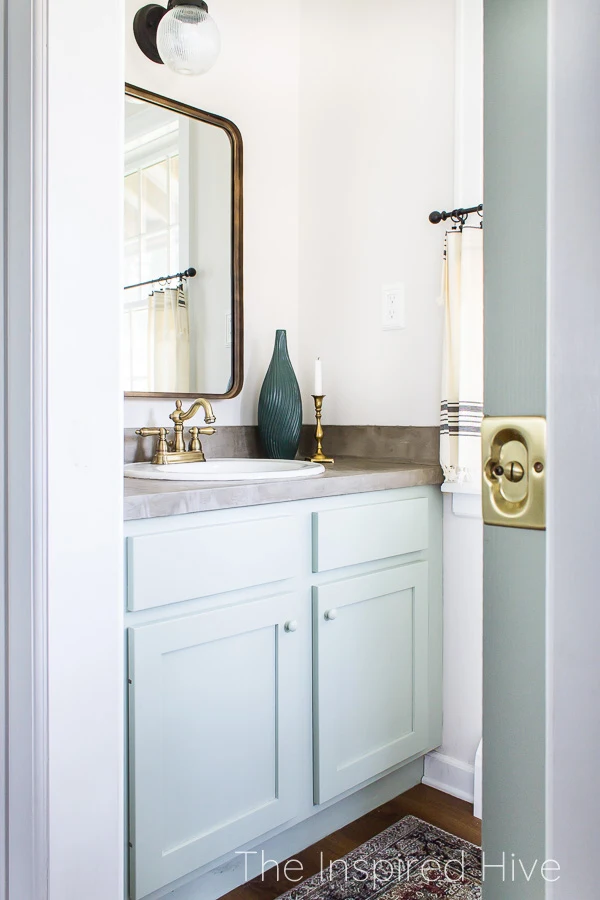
(178, 416)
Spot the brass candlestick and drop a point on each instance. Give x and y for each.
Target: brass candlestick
(319, 456)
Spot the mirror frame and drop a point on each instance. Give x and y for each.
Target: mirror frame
(237, 238)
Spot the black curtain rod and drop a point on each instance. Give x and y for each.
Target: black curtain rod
(457, 215)
(189, 273)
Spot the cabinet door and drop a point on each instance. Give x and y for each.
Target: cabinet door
(371, 676)
(213, 734)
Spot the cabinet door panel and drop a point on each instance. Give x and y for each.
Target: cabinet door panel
(371, 676)
(212, 735)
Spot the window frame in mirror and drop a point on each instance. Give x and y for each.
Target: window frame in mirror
(237, 239)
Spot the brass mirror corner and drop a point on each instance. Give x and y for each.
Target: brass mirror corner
(183, 303)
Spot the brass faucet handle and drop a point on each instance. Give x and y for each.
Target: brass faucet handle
(162, 447)
(195, 444)
(152, 432)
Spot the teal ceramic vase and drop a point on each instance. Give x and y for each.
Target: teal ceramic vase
(280, 405)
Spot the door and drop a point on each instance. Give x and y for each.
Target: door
(213, 734)
(515, 92)
(541, 782)
(371, 665)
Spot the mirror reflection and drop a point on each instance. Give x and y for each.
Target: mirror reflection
(181, 288)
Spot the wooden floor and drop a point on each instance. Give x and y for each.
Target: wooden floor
(432, 806)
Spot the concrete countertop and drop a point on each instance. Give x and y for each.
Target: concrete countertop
(349, 475)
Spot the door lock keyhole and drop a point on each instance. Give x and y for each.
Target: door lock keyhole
(514, 471)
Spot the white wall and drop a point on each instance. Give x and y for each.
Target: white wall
(348, 148)
(254, 83)
(81, 391)
(376, 156)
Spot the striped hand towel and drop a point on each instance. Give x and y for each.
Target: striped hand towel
(462, 376)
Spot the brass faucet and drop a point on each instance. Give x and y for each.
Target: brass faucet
(175, 451)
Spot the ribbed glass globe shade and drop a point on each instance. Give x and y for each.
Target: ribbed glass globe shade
(188, 40)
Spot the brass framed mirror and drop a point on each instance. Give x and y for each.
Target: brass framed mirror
(183, 298)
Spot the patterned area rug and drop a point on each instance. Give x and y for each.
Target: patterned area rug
(409, 861)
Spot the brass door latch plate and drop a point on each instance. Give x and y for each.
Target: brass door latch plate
(514, 471)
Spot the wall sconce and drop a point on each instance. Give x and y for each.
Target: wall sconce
(184, 37)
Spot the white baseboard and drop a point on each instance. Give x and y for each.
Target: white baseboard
(449, 775)
(478, 802)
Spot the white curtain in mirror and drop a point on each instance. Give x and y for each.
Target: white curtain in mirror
(168, 341)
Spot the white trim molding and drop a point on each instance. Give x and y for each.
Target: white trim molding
(468, 167)
(452, 776)
(466, 499)
(26, 447)
(468, 159)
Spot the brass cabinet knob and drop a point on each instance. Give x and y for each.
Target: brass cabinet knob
(291, 626)
(331, 614)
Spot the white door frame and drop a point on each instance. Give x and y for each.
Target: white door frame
(573, 592)
(62, 448)
(24, 449)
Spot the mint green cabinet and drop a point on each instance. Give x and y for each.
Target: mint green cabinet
(364, 534)
(371, 663)
(213, 734)
(280, 659)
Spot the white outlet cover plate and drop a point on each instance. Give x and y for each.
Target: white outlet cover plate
(393, 307)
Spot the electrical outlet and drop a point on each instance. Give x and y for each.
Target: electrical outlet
(228, 330)
(393, 307)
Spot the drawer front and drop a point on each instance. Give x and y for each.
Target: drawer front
(348, 537)
(184, 565)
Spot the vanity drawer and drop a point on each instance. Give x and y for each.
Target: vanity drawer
(348, 537)
(183, 565)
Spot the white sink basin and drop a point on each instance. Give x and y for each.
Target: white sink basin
(227, 470)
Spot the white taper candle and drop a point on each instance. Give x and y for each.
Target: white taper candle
(318, 378)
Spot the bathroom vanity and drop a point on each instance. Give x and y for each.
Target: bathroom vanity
(284, 647)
